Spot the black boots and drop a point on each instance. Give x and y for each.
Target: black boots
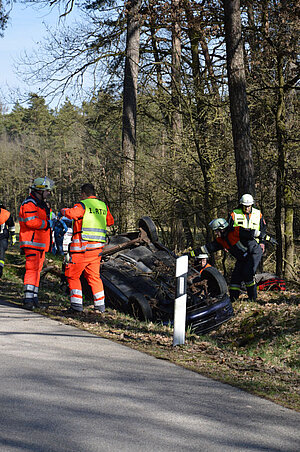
(31, 303)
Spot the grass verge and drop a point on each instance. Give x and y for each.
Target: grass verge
(257, 350)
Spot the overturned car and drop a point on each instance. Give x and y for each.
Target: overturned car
(138, 273)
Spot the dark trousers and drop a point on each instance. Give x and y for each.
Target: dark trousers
(59, 244)
(244, 271)
(3, 248)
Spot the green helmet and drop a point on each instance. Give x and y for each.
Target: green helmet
(218, 224)
(42, 184)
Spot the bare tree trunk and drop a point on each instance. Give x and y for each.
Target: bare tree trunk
(238, 99)
(153, 30)
(176, 122)
(280, 131)
(284, 195)
(127, 192)
(289, 195)
(176, 77)
(196, 37)
(289, 235)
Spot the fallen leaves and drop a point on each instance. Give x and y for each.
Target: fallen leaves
(257, 350)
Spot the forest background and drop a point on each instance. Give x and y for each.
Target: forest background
(173, 132)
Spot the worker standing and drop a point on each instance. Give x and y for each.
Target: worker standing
(248, 217)
(241, 244)
(7, 228)
(90, 219)
(59, 228)
(35, 236)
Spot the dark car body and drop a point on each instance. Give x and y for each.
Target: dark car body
(138, 273)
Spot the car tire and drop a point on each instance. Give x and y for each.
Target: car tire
(116, 240)
(216, 282)
(139, 307)
(149, 227)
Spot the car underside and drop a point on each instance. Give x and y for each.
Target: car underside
(138, 273)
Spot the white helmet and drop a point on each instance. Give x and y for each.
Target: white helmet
(202, 256)
(247, 200)
(218, 224)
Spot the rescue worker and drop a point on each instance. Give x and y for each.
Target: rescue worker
(35, 236)
(241, 244)
(59, 228)
(248, 217)
(201, 262)
(7, 229)
(90, 219)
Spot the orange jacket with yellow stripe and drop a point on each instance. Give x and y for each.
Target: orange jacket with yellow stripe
(34, 224)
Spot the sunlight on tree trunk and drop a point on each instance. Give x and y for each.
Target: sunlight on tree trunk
(281, 141)
(238, 99)
(127, 192)
(176, 122)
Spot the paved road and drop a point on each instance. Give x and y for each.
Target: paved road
(65, 390)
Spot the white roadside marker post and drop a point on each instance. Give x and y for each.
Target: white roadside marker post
(182, 264)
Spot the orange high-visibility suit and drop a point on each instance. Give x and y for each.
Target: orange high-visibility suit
(35, 240)
(4, 216)
(7, 227)
(85, 256)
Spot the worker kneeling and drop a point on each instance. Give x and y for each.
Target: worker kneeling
(91, 218)
(201, 262)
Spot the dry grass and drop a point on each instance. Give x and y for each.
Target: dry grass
(257, 350)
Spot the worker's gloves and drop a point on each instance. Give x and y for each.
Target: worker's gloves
(262, 235)
(267, 238)
(203, 250)
(272, 240)
(13, 239)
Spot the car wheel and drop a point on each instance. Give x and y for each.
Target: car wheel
(215, 281)
(116, 240)
(149, 227)
(139, 307)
